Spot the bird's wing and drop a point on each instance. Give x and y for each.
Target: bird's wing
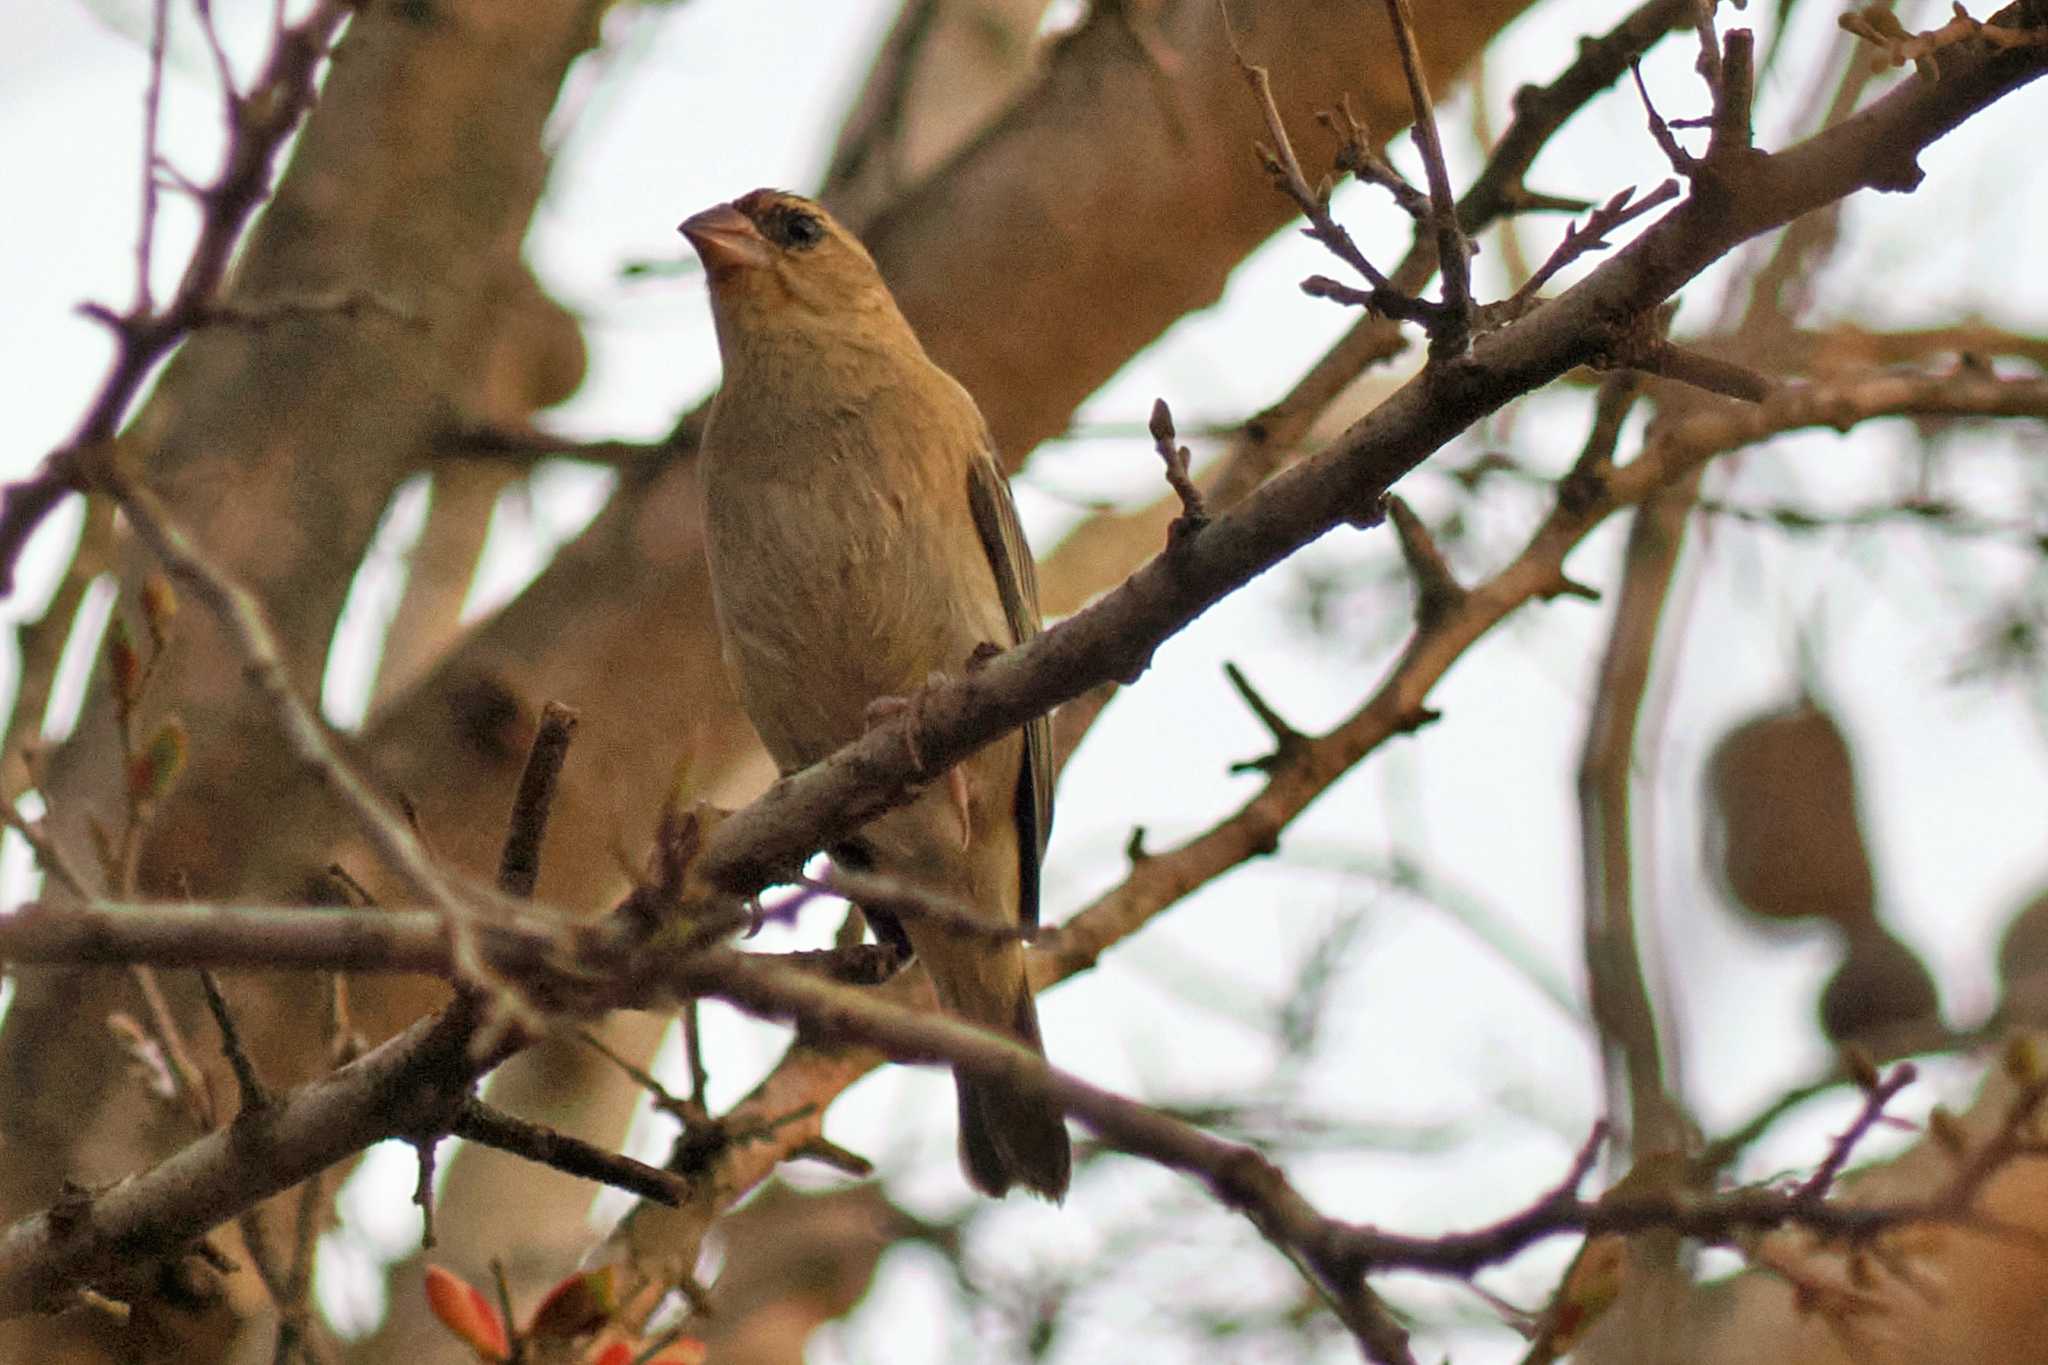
(995, 518)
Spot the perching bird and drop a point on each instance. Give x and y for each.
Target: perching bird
(861, 540)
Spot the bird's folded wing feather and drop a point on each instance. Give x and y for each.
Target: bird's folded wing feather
(995, 519)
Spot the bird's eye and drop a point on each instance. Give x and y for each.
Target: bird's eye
(797, 230)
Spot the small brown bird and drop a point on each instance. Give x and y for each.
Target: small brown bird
(862, 539)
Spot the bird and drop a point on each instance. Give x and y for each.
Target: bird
(862, 540)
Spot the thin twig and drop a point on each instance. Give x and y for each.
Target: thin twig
(152, 109)
(1875, 1098)
(1709, 373)
(425, 1152)
(1620, 995)
(1709, 63)
(223, 69)
(255, 1097)
(1454, 253)
(1272, 437)
(527, 446)
(1287, 740)
(693, 1054)
(1243, 1179)
(1580, 239)
(687, 1111)
(1437, 589)
(519, 864)
(1681, 160)
(1194, 515)
(480, 1122)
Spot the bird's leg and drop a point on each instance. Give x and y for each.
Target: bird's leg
(977, 659)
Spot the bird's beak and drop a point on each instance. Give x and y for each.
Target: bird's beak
(725, 239)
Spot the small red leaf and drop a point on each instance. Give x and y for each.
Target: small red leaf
(126, 664)
(576, 1307)
(464, 1310)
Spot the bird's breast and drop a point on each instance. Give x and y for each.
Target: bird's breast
(841, 571)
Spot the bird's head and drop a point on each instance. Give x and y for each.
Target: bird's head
(777, 261)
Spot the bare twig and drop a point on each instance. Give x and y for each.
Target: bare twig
(255, 1096)
(298, 1332)
(1287, 740)
(1877, 26)
(223, 69)
(1194, 515)
(524, 446)
(685, 1110)
(1681, 160)
(1875, 1098)
(48, 855)
(1271, 438)
(425, 1152)
(1313, 200)
(519, 864)
(693, 1053)
(1578, 240)
(1541, 110)
(1709, 63)
(1710, 373)
(480, 1122)
(1437, 589)
(1454, 253)
(899, 896)
(152, 109)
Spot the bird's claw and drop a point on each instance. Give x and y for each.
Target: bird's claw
(956, 787)
(884, 709)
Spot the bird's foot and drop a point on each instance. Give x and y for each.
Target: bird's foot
(884, 709)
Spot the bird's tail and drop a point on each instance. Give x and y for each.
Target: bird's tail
(1008, 1136)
